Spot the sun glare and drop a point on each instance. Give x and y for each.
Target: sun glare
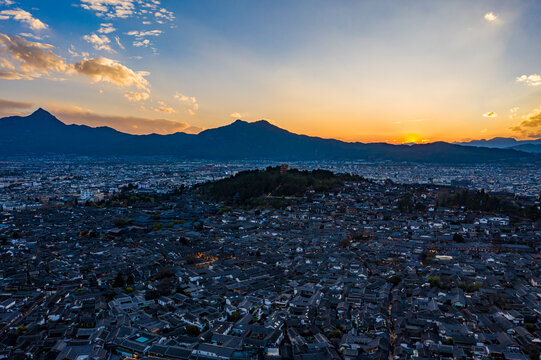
(412, 138)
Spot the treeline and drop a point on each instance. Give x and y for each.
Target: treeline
(482, 201)
(268, 187)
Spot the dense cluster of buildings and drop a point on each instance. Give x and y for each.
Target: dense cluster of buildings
(343, 275)
(31, 183)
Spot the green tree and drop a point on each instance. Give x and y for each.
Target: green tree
(458, 238)
(345, 243)
(434, 281)
(335, 334)
(192, 330)
(395, 279)
(163, 273)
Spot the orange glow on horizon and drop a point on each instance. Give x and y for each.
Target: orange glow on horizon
(412, 138)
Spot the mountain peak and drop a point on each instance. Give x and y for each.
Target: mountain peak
(499, 138)
(41, 111)
(263, 122)
(42, 116)
(258, 122)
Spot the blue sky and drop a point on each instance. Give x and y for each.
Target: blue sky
(355, 70)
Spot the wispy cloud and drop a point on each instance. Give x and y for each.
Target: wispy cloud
(8, 106)
(117, 39)
(490, 114)
(189, 101)
(136, 96)
(140, 37)
(164, 14)
(74, 53)
(24, 17)
(122, 9)
(106, 28)
(164, 108)
(110, 8)
(100, 42)
(140, 34)
(141, 43)
(129, 124)
(31, 36)
(77, 115)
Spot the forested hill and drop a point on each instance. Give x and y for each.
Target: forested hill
(260, 187)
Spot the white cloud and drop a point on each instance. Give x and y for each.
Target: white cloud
(152, 4)
(110, 8)
(117, 39)
(144, 33)
(100, 42)
(108, 70)
(189, 101)
(491, 17)
(163, 107)
(24, 17)
(123, 9)
(184, 98)
(142, 43)
(136, 96)
(31, 36)
(235, 115)
(490, 114)
(74, 53)
(106, 28)
(164, 14)
(530, 80)
(140, 36)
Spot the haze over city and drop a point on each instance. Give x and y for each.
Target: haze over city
(397, 72)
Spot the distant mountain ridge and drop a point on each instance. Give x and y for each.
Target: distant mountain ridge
(41, 133)
(533, 146)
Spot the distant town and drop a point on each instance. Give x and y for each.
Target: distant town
(133, 258)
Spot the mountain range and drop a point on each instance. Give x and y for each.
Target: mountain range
(533, 146)
(41, 133)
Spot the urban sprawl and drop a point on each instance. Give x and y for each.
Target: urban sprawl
(120, 259)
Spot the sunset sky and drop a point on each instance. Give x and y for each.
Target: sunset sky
(395, 71)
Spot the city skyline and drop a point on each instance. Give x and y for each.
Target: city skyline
(368, 72)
